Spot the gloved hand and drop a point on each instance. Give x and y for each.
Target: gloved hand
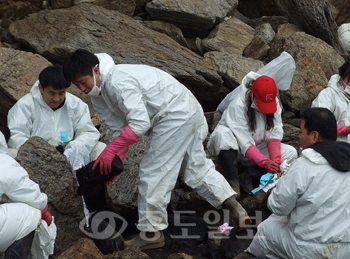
(274, 148)
(254, 154)
(272, 166)
(46, 215)
(119, 146)
(342, 130)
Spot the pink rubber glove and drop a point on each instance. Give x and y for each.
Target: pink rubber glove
(119, 146)
(254, 154)
(272, 167)
(46, 215)
(274, 148)
(342, 130)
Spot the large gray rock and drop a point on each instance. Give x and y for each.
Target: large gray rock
(231, 36)
(14, 10)
(19, 71)
(316, 62)
(169, 29)
(343, 8)
(196, 15)
(232, 67)
(52, 171)
(315, 17)
(126, 40)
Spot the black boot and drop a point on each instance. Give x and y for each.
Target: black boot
(20, 249)
(228, 160)
(250, 179)
(106, 239)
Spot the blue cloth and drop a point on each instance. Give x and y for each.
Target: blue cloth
(264, 180)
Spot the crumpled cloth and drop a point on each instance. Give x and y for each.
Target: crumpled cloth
(44, 240)
(77, 154)
(225, 229)
(269, 180)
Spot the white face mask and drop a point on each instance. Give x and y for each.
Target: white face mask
(95, 91)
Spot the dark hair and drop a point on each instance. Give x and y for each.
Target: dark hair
(344, 70)
(321, 120)
(251, 114)
(53, 76)
(5, 131)
(79, 63)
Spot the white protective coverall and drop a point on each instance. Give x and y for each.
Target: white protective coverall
(334, 98)
(232, 131)
(151, 101)
(23, 214)
(31, 116)
(311, 212)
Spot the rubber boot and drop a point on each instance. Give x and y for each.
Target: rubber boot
(228, 160)
(20, 249)
(250, 179)
(147, 240)
(238, 216)
(106, 238)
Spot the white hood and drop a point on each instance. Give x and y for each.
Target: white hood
(250, 77)
(334, 84)
(35, 92)
(106, 62)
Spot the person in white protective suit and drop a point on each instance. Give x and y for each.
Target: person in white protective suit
(60, 118)
(27, 207)
(250, 132)
(336, 97)
(310, 204)
(134, 100)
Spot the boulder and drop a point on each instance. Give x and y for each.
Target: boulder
(196, 15)
(20, 70)
(125, 39)
(316, 62)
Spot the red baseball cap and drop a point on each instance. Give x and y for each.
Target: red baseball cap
(265, 90)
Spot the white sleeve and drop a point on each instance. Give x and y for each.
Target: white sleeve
(20, 122)
(84, 130)
(125, 93)
(114, 122)
(18, 187)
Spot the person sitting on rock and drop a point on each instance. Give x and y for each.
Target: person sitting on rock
(28, 206)
(310, 204)
(336, 98)
(60, 118)
(250, 132)
(134, 100)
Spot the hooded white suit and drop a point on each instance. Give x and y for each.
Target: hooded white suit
(151, 101)
(233, 132)
(31, 116)
(334, 98)
(311, 208)
(23, 214)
